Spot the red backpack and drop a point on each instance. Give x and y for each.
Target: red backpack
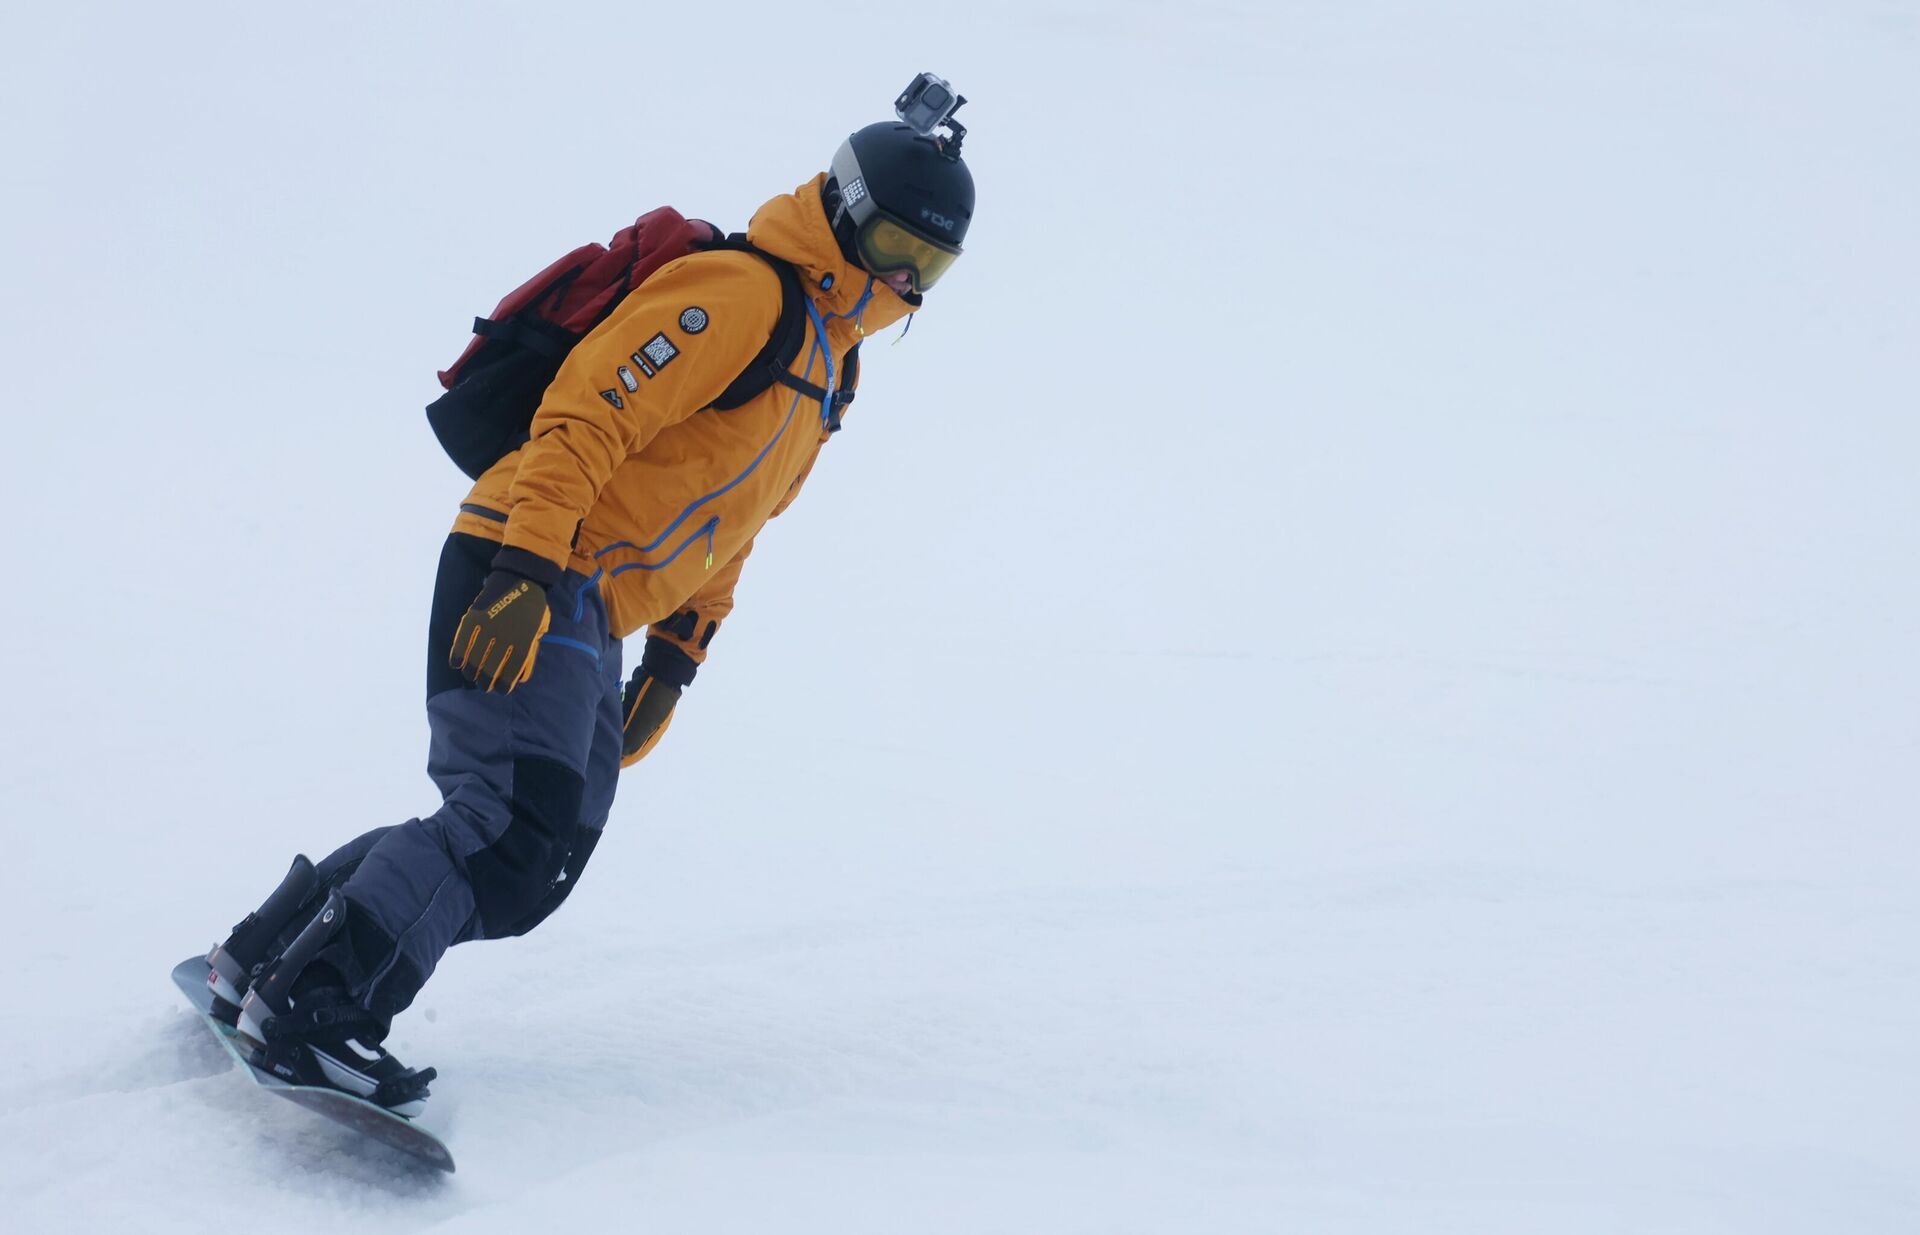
(495, 387)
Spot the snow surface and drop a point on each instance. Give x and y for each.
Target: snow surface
(1355, 672)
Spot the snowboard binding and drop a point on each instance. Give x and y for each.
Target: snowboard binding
(328, 1040)
(289, 1006)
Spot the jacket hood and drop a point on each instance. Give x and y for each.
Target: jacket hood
(794, 227)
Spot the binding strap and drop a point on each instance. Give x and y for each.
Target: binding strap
(330, 1021)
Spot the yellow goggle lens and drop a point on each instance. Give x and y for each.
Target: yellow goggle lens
(886, 246)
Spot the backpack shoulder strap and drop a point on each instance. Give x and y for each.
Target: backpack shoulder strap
(774, 364)
(789, 335)
(843, 389)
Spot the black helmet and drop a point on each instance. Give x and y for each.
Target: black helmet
(901, 201)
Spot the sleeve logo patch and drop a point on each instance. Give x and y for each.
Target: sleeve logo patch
(613, 397)
(659, 349)
(627, 379)
(693, 319)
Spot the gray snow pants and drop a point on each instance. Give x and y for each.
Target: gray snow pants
(527, 780)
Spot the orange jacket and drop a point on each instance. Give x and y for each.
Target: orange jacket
(629, 474)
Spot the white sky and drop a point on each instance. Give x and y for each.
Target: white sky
(1413, 504)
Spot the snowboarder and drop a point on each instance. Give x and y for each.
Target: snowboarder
(633, 506)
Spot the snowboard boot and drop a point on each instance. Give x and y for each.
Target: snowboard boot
(303, 1024)
(250, 947)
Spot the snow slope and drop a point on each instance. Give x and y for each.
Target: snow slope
(1354, 673)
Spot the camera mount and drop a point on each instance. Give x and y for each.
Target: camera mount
(926, 104)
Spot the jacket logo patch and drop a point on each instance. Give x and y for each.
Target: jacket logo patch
(613, 397)
(641, 363)
(660, 350)
(627, 379)
(693, 319)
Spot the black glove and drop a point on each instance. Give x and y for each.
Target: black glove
(655, 687)
(500, 635)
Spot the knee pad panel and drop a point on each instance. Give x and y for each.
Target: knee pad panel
(513, 874)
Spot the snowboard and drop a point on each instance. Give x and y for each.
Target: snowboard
(362, 1116)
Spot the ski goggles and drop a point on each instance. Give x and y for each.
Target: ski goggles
(887, 246)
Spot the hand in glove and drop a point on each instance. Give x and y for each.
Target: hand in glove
(647, 706)
(500, 635)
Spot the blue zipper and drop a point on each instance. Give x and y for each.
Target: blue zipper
(572, 644)
(706, 530)
(580, 597)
